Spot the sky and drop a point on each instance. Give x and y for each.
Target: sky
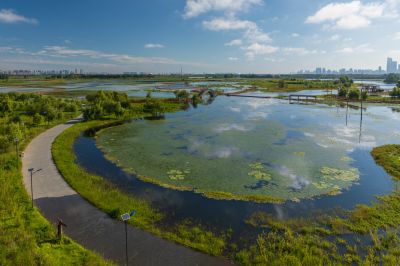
(213, 36)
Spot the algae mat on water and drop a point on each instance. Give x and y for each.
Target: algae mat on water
(227, 154)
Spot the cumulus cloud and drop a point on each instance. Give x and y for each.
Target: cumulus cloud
(219, 24)
(153, 45)
(351, 15)
(195, 8)
(254, 40)
(255, 49)
(363, 48)
(9, 16)
(299, 51)
(236, 42)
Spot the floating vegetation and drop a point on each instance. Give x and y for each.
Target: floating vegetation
(257, 172)
(346, 159)
(321, 185)
(177, 174)
(340, 174)
(299, 153)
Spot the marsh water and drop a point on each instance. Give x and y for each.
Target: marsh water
(247, 146)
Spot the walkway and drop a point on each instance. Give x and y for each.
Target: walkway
(88, 225)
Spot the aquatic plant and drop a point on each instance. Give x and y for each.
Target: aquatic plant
(257, 173)
(177, 174)
(299, 153)
(333, 174)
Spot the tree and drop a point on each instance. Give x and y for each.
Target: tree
(392, 78)
(37, 119)
(395, 92)
(346, 82)
(354, 94)
(281, 84)
(181, 94)
(342, 92)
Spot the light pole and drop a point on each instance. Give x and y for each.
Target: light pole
(125, 217)
(32, 171)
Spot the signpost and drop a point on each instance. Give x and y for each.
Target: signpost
(32, 171)
(125, 217)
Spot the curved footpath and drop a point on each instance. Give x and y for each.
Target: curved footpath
(88, 225)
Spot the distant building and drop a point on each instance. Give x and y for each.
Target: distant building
(391, 66)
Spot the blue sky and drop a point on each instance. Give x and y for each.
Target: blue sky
(244, 36)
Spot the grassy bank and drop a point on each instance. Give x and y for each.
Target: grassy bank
(26, 238)
(111, 200)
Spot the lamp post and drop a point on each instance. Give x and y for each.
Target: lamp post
(32, 171)
(125, 217)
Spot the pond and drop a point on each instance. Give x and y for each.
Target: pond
(248, 148)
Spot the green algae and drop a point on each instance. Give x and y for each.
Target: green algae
(333, 174)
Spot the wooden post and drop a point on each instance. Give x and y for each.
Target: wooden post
(60, 228)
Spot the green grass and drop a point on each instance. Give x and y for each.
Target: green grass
(291, 85)
(26, 238)
(113, 201)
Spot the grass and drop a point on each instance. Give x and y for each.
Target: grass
(26, 237)
(113, 201)
(291, 85)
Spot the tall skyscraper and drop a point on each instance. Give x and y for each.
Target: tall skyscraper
(391, 66)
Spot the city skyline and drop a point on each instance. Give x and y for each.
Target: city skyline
(242, 36)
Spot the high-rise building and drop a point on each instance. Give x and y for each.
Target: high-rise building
(391, 66)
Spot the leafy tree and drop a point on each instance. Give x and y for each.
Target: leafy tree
(395, 92)
(281, 84)
(342, 92)
(37, 119)
(392, 78)
(354, 94)
(181, 94)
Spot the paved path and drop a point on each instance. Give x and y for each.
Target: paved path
(88, 225)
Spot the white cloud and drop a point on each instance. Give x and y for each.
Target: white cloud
(397, 36)
(233, 58)
(298, 51)
(259, 49)
(195, 8)
(219, 24)
(351, 15)
(295, 35)
(153, 45)
(65, 52)
(363, 48)
(335, 37)
(9, 16)
(236, 42)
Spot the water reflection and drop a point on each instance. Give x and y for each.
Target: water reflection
(222, 214)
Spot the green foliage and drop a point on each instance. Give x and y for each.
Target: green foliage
(354, 94)
(154, 107)
(26, 238)
(392, 78)
(345, 82)
(181, 94)
(395, 92)
(104, 104)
